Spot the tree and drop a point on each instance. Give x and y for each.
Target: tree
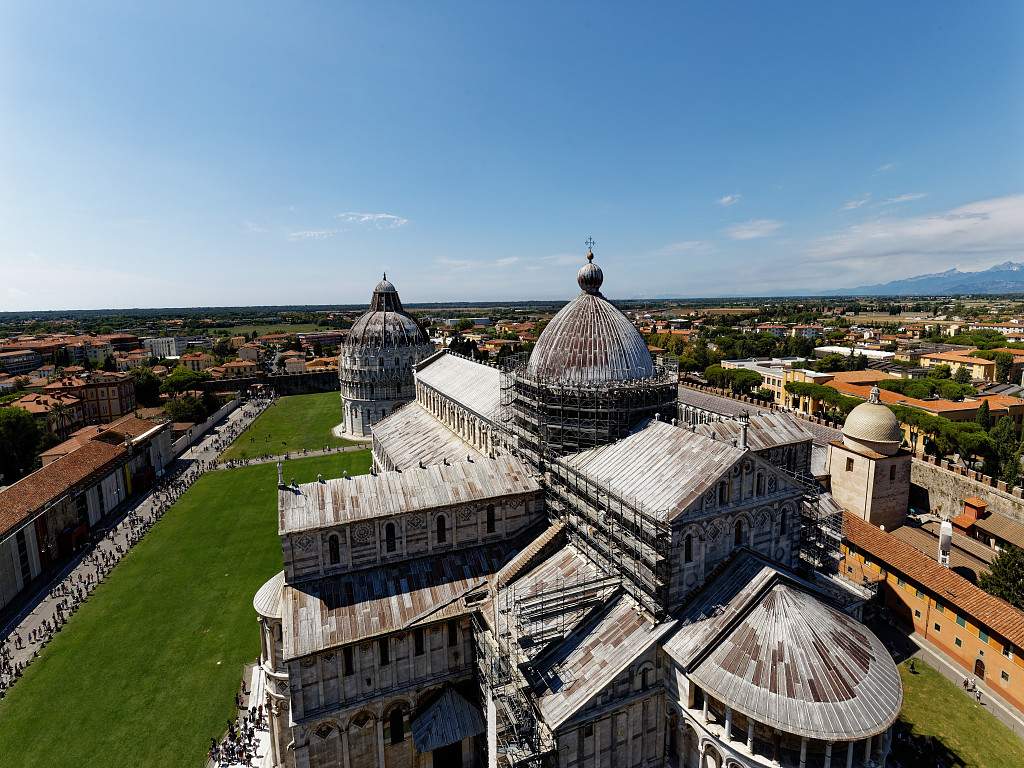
(982, 417)
(742, 380)
(941, 371)
(20, 439)
(463, 325)
(1005, 577)
(188, 408)
(182, 379)
(766, 394)
(1004, 364)
(147, 387)
(962, 375)
(716, 375)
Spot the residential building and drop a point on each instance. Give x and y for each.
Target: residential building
(20, 362)
(104, 396)
(59, 412)
(237, 369)
(979, 368)
(197, 361)
(981, 633)
(164, 346)
(47, 515)
(250, 353)
(870, 354)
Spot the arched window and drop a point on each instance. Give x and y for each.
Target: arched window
(737, 536)
(389, 538)
(334, 548)
(688, 549)
(723, 492)
(759, 484)
(644, 678)
(442, 529)
(490, 518)
(782, 521)
(396, 726)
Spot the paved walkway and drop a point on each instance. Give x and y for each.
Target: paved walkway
(290, 456)
(25, 634)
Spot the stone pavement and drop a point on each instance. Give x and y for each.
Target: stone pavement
(25, 634)
(290, 456)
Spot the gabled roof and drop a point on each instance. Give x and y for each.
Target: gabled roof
(1002, 527)
(411, 435)
(477, 387)
(344, 500)
(18, 502)
(446, 720)
(885, 549)
(766, 430)
(347, 608)
(592, 656)
(661, 467)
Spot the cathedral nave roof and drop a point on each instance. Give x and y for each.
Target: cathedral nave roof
(319, 505)
(411, 436)
(476, 386)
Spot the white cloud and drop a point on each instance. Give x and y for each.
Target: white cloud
(313, 234)
(507, 261)
(755, 228)
(684, 248)
(885, 167)
(851, 205)
(984, 227)
(905, 198)
(372, 220)
(255, 228)
(457, 264)
(729, 200)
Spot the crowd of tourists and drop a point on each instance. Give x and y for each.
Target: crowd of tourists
(70, 592)
(267, 457)
(238, 747)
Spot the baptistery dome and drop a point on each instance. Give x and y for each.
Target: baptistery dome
(589, 341)
(873, 426)
(386, 324)
(375, 365)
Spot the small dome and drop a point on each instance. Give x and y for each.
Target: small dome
(385, 286)
(873, 426)
(589, 341)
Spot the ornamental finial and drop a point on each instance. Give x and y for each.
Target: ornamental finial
(590, 248)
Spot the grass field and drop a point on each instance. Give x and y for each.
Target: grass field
(947, 725)
(261, 330)
(145, 673)
(289, 425)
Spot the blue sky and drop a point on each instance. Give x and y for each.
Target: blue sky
(223, 153)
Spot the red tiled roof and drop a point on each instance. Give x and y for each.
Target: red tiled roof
(31, 493)
(999, 616)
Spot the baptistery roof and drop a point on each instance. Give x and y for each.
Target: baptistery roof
(589, 341)
(874, 426)
(386, 324)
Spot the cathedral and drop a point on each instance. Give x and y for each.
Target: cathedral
(547, 568)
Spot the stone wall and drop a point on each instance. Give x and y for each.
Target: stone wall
(941, 487)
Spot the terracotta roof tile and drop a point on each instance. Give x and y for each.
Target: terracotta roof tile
(999, 616)
(29, 494)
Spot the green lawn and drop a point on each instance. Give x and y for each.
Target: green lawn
(946, 725)
(145, 673)
(291, 424)
(262, 330)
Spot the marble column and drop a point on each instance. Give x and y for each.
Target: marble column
(828, 755)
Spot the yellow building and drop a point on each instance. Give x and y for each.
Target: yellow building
(979, 368)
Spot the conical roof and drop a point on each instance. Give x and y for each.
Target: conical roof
(589, 341)
(386, 324)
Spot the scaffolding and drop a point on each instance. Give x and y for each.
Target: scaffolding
(821, 526)
(549, 417)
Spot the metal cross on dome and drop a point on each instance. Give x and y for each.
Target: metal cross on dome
(590, 243)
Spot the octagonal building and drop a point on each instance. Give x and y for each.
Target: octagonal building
(375, 364)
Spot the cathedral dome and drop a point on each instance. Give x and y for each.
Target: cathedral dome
(873, 426)
(386, 324)
(589, 341)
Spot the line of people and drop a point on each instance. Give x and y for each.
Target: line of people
(68, 595)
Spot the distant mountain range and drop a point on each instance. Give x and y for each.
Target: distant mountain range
(1007, 277)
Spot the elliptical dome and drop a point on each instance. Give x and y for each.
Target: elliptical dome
(386, 324)
(589, 341)
(873, 426)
